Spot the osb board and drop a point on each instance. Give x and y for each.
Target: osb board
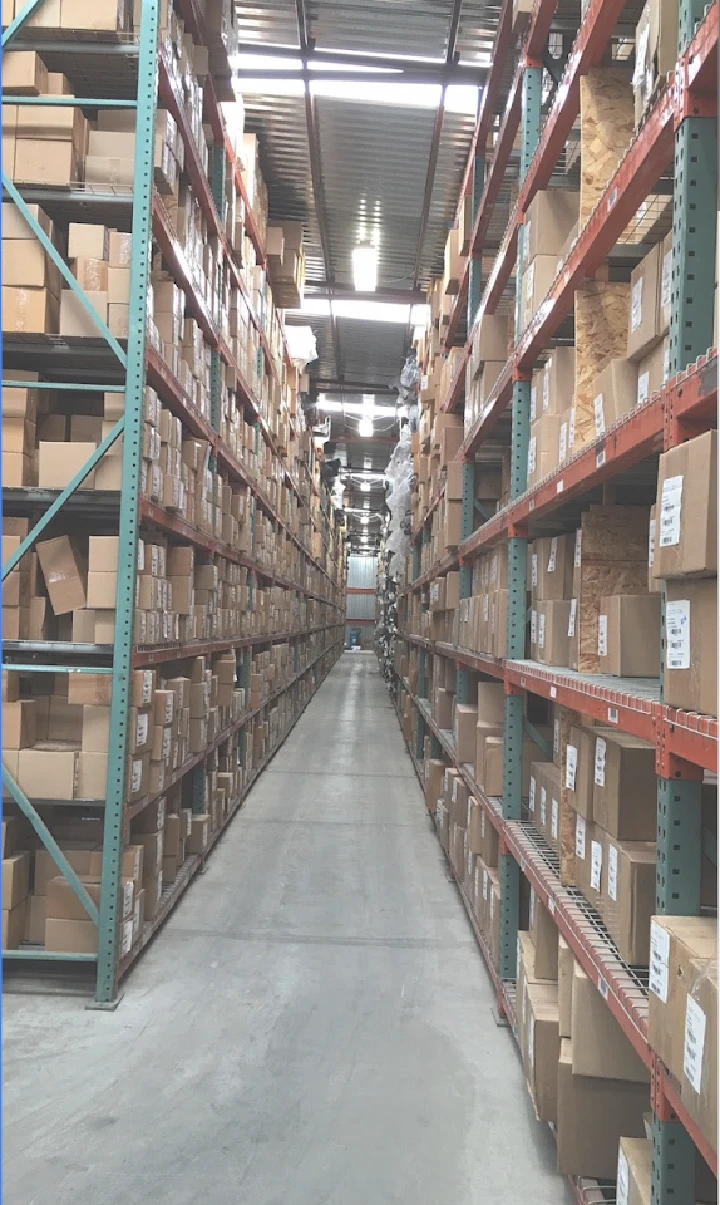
(599, 580)
(601, 327)
(612, 531)
(607, 127)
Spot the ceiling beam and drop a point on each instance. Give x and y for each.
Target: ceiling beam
(316, 176)
(435, 141)
(322, 291)
(334, 385)
(431, 70)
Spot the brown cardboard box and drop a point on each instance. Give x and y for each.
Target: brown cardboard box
(542, 1048)
(18, 724)
(599, 1046)
(552, 561)
(73, 318)
(543, 931)
(92, 775)
(634, 1171)
(593, 1114)
(199, 836)
(629, 635)
(538, 276)
(91, 274)
(625, 787)
(653, 371)
(628, 897)
(87, 240)
(15, 880)
(14, 924)
(615, 394)
(71, 936)
(558, 381)
(48, 771)
(40, 162)
(26, 265)
(580, 768)
(58, 463)
(61, 902)
(691, 642)
(686, 506)
(110, 15)
(35, 921)
(543, 447)
(29, 311)
(24, 73)
(465, 732)
(551, 216)
(553, 643)
(90, 689)
(644, 328)
(64, 572)
(566, 963)
(677, 945)
(698, 1083)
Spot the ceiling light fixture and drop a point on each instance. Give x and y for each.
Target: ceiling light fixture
(365, 487)
(366, 428)
(364, 268)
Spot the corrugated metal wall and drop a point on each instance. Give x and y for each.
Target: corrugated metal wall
(360, 608)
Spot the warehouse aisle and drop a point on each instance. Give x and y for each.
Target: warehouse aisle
(312, 1026)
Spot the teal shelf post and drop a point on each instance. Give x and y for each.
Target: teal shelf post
(106, 985)
(517, 567)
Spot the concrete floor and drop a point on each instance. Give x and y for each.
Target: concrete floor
(313, 1025)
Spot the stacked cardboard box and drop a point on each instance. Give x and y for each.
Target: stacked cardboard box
(551, 414)
(491, 346)
(548, 222)
(685, 559)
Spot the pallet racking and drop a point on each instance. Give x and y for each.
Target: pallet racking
(119, 71)
(681, 121)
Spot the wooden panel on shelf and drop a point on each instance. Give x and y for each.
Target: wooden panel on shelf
(607, 127)
(601, 324)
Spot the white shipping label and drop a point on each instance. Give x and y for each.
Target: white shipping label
(659, 961)
(534, 569)
(485, 884)
(541, 630)
(623, 1179)
(532, 455)
(602, 645)
(651, 543)
(595, 865)
(555, 811)
(533, 404)
(147, 687)
(136, 775)
(141, 729)
(612, 872)
(677, 634)
(533, 627)
(127, 937)
(694, 1043)
(563, 442)
(128, 892)
(577, 556)
(599, 415)
(524, 1003)
(532, 907)
(556, 734)
(546, 389)
(526, 240)
(486, 607)
(543, 807)
(636, 304)
(531, 1040)
(670, 512)
(573, 616)
(455, 790)
(530, 281)
(571, 757)
(492, 903)
(666, 281)
(482, 823)
(571, 429)
(477, 882)
(600, 761)
(552, 559)
(531, 795)
(666, 363)
(580, 837)
(643, 388)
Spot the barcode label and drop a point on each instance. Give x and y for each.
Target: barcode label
(602, 987)
(670, 512)
(677, 634)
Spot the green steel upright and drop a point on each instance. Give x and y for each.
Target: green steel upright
(106, 989)
(517, 567)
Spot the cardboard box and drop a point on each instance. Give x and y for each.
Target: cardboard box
(551, 216)
(566, 963)
(553, 642)
(653, 371)
(691, 645)
(686, 507)
(29, 311)
(551, 568)
(698, 1082)
(543, 932)
(677, 945)
(625, 787)
(73, 318)
(15, 880)
(465, 732)
(18, 724)
(599, 1046)
(90, 689)
(58, 463)
(87, 241)
(61, 902)
(628, 897)
(92, 774)
(110, 15)
(48, 771)
(64, 572)
(558, 381)
(24, 73)
(197, 841)
(593, 1114)
(542, 1048)
(538, 276)
(544, 446)
(40, 162)
(14, 924)
(634, 1171)
(490, 341)
(629, 635)
(35, 920)
(615, 394)
(644, 327)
